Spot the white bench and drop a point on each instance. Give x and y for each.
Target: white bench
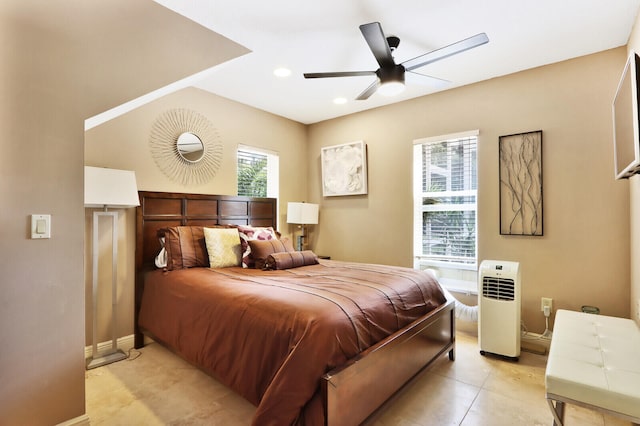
(594, 362)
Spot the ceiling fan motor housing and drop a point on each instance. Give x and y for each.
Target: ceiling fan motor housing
(391, 74)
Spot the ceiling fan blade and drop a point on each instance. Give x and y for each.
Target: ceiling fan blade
(377, 43)
(369, 91)
(337, 74)
(415, 78)
(445, 52)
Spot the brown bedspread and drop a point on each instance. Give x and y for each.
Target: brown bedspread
(271, 335)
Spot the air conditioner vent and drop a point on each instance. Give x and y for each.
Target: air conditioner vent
(498, 288)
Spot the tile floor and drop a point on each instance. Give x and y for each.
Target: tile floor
(158, 388)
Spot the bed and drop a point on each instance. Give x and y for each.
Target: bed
(300, 343)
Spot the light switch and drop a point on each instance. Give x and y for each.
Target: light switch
(40, 226)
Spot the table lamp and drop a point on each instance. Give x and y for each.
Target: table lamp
(302, 214)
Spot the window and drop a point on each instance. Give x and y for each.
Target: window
(258, 172)
(445, 191)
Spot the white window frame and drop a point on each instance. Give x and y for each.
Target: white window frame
(463, 273)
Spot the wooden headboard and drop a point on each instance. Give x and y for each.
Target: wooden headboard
(165, 209)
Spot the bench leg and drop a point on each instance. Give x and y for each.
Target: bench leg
(557, 411)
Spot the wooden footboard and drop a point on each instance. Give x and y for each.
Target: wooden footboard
(356, 390)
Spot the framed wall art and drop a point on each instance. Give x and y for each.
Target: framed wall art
(344, 169)
(521, 184)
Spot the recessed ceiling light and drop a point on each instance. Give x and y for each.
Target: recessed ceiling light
(340, 101)
(282, 72)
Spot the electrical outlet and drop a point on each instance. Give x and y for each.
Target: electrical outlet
(546, 301)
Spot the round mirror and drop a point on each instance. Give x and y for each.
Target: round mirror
(190, 147)
(185, 146)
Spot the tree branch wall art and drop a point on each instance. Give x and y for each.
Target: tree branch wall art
(521, 184)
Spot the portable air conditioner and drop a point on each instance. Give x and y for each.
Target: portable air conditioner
(499, 308)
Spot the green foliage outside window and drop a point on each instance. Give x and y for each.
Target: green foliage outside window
(252, 177)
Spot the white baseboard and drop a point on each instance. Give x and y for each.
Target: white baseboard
(82, 420)
(125, 343)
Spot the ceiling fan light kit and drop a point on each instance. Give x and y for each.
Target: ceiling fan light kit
(391, 88)
(390, 77)
(390, 80)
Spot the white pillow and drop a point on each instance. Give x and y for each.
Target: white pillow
(161, 258)
(223, 247)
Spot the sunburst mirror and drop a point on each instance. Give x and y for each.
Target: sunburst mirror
(185, 146)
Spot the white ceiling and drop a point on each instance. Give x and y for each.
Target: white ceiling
(318, 36)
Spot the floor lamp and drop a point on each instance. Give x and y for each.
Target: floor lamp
(107, 188)
(302, 214)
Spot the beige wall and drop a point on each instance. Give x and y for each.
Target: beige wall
(61, 62)
(123, 143)
(583, 257)
(634, 216)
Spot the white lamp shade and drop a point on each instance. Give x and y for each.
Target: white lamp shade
(110, 187)
(302, 213)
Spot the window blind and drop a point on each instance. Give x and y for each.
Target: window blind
(252, 173)
(448, 191)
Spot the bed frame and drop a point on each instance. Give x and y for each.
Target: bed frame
(351, 393)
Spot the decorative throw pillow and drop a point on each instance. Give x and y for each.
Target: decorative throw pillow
(287, 260)
(249, 233)
(185, 247)
(223, 246)
(261, 249)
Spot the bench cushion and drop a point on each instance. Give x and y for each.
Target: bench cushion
(595, 359)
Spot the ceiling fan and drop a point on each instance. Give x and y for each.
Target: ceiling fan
(391, 76)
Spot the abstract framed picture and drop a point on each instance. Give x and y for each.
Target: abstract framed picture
(344, 169)
(521, 184)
